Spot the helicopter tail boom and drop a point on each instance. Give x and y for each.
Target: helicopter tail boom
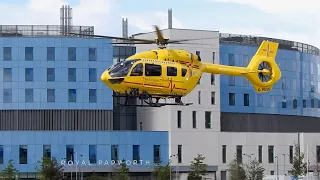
(262, 71)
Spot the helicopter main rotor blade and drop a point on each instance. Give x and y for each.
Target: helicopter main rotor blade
(112, 37)
(159, 34)
(132, 43)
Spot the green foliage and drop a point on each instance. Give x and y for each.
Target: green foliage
(198, 168)
(299, 168)
(162, 172)
(122, 171)
(254, 170)
(10, 172)
(236, 170)
(50, 169)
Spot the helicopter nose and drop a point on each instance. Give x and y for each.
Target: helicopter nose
(104, 76)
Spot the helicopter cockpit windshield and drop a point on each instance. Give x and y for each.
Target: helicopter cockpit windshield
(121, 69)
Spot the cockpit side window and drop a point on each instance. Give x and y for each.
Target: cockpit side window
(153, 70)
(183, 72)
(121, 69)
(198, 54)
(137, 70)
(171, 71)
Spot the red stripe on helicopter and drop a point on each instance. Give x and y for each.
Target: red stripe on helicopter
(169, 86)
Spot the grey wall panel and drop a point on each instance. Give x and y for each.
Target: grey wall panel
(242, 122)
(56, 120)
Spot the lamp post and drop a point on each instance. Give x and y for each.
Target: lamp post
(63, 167)
(175, 155)
(284, 163)
(277, 167)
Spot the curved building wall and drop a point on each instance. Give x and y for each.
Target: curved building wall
(296, 93)
(54, 73)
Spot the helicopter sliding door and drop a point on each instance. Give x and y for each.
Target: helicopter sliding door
(176, 79)
(153, 78)
(136, 76)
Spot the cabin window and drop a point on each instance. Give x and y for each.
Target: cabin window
(183, 72)
(137, 70)
(171, 71)
(153, 70)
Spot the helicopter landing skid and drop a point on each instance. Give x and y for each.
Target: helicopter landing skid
(149, 102)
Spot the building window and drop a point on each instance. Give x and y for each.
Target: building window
(51, 54)
(295, 104)
(312, 103)
(7, 74)
(179, 153)
(72, 94)
(246, 100)
(198, 53)
(72, 74)
(284, 102)
(213, 79)
(232, 99)
(232, 81)
(92, 54)
(194, 119)
(28, 95)
(136, 152)
(156, 153)
(115, 152)
(231, 60)
(270, 154)
(318, 154)
(51, 74)
(7, 54)
(93, 154)
(213, 57)
(224, 153)
(179, 119)
(271, 172)
(7, 95)
(213, 98)
(92, 75)
(318, 103)
(47, 151)
(259, 100)
(239, 153)
(29, 74)
(1, 154)
(23, 154)
(72, 54)
(50, 95)
(199, 97)
(92, 95)
(70, 153)
(223, 175)
(291, 155)
(208, 119)
(29, 53)
(260, 154)
(304, 103)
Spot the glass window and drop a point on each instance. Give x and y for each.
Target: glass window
(259, 100)
(116, 50)
(29, 53)
(29, 74)
(137, 70)
(213, 98)
(246, 100)
(183, 72)
(121, 69)
(51, 74)
(172, 71)
(208, 119)
(213, 57)
(92, 75)
(115, 152)
(239, 153)
(260, 154)
(295, 103)
(231, 60)
(72, 74)
(312, 103)
(23, 154)
(28, 95)
(50, 95)
(270, 154)
(291, 155)
(284, 102)
(156, 153)
(69, 153)
(213, 79)
(51, 54)
(136, 152)
(93, 154)
(232, 80)
(153, 70)
(72, 54)
(7, 74)
(224, 153)
(7, 54)
(194, 119)
(304, 103)
(179, 119)
(199, 97)
(1, 154)
(92, 54)
(92, 95)
(179, 153)
(72, 94)
(47, 151)
(245, 60)
(7, 95)
(232, 99)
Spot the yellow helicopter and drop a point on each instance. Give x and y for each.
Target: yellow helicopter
(173, 73)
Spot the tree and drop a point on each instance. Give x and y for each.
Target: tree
(50, 169)
(198, 168)
(10, 172)
(236, 170)
(254, 170)
(162, 172)
(299, 167)
(122, 171)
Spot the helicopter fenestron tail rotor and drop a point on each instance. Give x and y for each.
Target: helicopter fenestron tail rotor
(161, 41)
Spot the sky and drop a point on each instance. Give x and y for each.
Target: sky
(284, 19)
